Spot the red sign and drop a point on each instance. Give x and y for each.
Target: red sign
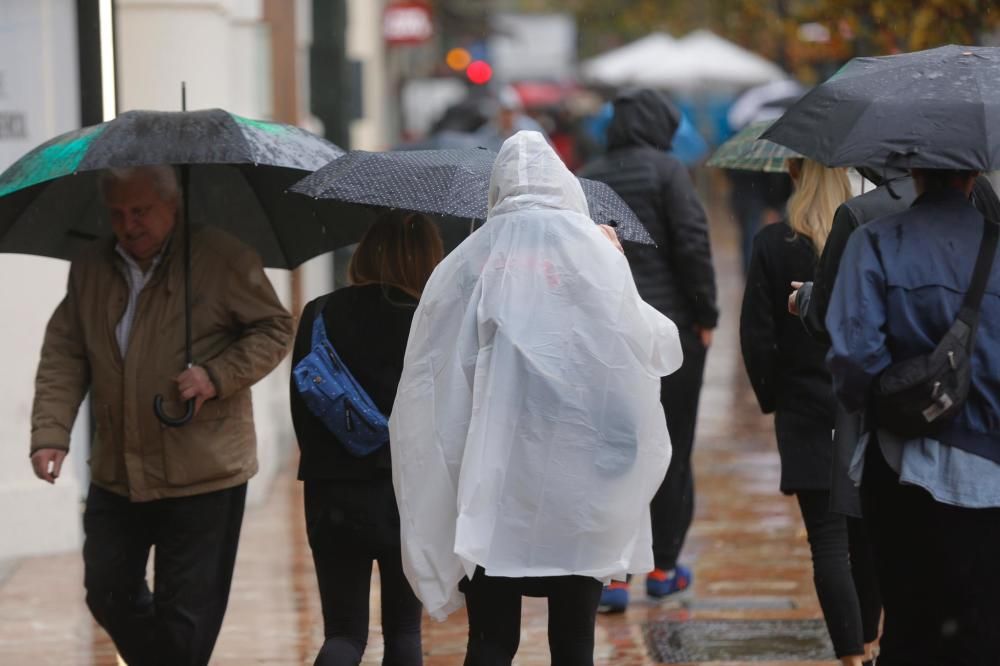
(407, 23)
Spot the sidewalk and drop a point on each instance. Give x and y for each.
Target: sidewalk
(747, 546)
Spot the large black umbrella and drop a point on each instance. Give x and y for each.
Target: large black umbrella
(934, 109)
(234, 172)
(447, 183)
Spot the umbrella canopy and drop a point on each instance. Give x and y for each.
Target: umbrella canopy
(934, 109)
(747, 151)
(621, 66)
(701, 60)
(240, 170)
(448, 183)
(764, 102)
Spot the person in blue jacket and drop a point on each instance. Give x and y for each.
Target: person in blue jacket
(932, 504)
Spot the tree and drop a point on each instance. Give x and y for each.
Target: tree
(892, 26)
(773, 28)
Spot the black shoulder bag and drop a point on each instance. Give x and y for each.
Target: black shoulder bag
(913, 398)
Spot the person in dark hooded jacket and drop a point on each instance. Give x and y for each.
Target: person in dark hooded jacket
(677, 278)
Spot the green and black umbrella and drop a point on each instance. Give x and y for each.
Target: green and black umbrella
(747, 151)
(234, 172)
(239, 171)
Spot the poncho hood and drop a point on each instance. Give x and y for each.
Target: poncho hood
(529, 174)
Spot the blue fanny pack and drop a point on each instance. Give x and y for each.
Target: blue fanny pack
(332, 393)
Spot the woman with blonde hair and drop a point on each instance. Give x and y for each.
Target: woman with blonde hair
(351, 514)
(787, 369)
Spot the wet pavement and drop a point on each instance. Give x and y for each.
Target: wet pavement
(747, 548)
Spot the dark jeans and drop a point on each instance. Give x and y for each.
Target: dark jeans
(350, 525)
(845, 582)
(938, 569)
(195, 540)
(672, 508)
(494, 606)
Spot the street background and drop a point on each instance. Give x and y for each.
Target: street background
(375, 74)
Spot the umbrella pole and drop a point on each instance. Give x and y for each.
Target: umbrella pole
(188, 360)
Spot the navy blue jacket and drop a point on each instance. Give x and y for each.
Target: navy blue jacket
(899, 289)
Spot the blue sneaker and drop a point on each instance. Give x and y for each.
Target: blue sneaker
(614, 598)
(662, 583)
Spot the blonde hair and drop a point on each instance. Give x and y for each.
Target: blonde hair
(818, 192)
(397, 251)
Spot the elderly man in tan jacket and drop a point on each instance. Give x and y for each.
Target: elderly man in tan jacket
(119, 334)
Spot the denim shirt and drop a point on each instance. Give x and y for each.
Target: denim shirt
(900, 286)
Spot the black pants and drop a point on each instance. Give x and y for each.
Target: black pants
(938, 569)
(350, 525)
(672, 508)
(843, 574)
(494, 606)
(195, 539)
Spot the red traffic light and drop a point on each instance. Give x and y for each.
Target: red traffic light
(479, 72)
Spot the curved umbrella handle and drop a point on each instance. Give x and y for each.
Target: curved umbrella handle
(168, 420)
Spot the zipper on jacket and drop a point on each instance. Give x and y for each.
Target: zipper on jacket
(348, 419)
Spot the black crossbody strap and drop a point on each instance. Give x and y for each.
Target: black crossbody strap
(980, 275)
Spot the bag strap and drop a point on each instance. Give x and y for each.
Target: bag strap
(969, 314)
(319, 326)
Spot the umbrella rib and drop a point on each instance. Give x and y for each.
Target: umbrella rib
(246, 141)
(982, 109)
(887, 91)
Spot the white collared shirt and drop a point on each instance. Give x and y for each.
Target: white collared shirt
(136, 281)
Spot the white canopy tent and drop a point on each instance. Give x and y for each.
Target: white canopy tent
(699, 61)
(704, 61)
(621, 66)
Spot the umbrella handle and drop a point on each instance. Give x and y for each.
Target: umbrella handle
(168, 420)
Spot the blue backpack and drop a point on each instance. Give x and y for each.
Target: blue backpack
(332, 393)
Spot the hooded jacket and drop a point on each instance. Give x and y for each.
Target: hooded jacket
(676, 277)
(527, 432)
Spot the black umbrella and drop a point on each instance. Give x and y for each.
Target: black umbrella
(447, 183)
(240, 170)
(934, 109)
(234, 173)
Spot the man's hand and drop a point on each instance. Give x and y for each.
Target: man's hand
(610, 233)
(195, 383)
(793, 305)
(706, 336)
(47, 463)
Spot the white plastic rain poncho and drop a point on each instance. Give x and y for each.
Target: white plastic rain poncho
(527, 432)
